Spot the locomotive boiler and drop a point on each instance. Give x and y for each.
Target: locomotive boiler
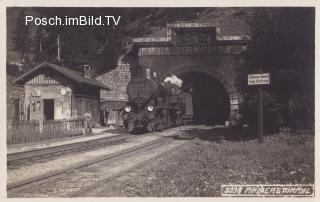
(155, 105)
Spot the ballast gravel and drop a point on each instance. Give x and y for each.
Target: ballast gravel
(37, 169)
(64, 162)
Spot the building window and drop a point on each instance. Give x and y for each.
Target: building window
(79, 107)
(33, 106)
(38, 106)
(61, 101)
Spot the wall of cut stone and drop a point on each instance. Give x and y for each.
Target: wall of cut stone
(117, 80)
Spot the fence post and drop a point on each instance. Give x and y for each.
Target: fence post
(40, 125)
(64, 125)
(84, 127)
(10, 126)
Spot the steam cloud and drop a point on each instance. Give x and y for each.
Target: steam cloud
(174, 80)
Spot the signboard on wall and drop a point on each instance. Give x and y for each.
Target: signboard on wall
(258, 79)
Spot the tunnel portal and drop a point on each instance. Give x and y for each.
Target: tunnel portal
(211, 104)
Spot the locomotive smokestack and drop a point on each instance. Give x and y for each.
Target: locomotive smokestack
(148, 73)
(87, 71)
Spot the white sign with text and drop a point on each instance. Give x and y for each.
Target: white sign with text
(258, 79)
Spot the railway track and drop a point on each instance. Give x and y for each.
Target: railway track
(78, 179)
(20, 158)
(102, 182)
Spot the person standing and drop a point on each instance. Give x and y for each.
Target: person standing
(88, 118)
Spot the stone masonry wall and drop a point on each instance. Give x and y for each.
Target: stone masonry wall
(117, 80)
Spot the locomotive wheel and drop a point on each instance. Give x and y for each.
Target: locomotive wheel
(130, 126)
(150, 126)
(178, 121)
(125, 124)
(159, 123)
(165, 118)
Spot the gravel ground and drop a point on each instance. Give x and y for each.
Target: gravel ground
(90, 175)
(107, 133)
(36, 169)
(200, 167)
(66, 161)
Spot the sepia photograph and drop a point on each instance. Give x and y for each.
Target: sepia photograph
(160, 102)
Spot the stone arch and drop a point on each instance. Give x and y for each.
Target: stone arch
(228, 85)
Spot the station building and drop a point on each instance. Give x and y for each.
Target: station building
(54, 92)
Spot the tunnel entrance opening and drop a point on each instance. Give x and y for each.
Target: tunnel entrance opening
(211, 104)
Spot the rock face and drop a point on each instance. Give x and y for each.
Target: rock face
(117, 80)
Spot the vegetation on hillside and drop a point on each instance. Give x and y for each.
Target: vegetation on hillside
(98, 46)
(282, 44)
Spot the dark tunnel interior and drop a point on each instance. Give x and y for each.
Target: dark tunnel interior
(211, 104)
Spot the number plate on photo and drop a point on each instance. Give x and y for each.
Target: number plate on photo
(267, 190)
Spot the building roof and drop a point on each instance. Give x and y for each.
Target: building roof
(71, 74)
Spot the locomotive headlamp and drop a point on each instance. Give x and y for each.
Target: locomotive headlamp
(127, 108)
(150, 108)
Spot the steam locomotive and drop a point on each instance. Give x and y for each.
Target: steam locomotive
(155, 105)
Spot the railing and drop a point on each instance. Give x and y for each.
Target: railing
(21, 132)
(37, 130)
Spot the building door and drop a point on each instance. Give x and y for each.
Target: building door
(112, 118)
(48, 109)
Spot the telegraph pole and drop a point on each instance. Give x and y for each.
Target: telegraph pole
(260, 115)
(58, 41)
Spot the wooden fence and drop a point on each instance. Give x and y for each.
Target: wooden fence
(33, 131)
